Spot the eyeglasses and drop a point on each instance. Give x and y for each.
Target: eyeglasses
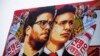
(43, 23)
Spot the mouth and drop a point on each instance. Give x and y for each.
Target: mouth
(44, 37)
(45, 34)
(65, 35)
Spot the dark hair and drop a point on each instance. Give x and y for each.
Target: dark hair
(66, 8)
(33, 16)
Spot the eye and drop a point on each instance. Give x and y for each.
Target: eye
(62, 23)
(39, 22)
(71, 22)
(43, 22)
(50, 23)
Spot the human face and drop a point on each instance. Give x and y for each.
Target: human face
(41, 28)
(82, 7)
(62, 27)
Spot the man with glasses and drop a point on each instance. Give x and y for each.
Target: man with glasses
(36, 30)
(60, 33)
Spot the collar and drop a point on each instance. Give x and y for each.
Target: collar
(59, 52)
(22, 51)
(40, 51)
(67, 43)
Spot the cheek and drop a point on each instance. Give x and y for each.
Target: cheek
(33, 35)
(37, 29)
(71, 27)
(58, 29)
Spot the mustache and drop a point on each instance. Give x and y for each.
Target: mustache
(46, 32)
(43, 33)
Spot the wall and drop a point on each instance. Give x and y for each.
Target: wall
(7, 8)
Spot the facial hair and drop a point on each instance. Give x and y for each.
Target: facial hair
(36, 44)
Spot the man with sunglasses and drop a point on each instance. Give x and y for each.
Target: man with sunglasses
(36, 30)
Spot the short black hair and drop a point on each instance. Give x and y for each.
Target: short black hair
(33, 16)
(66, 8)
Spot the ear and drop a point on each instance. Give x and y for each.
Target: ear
(28, 30)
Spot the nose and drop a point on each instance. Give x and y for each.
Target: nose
(47, 26)
(67, 26)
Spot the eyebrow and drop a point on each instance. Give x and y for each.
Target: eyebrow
(41, 20)
(65, 21)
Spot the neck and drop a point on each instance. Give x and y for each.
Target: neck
(28, 50)
(53, 46)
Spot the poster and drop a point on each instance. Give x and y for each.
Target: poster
(19, 31)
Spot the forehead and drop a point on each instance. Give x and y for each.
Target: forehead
(44, 16)
(65, 16)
